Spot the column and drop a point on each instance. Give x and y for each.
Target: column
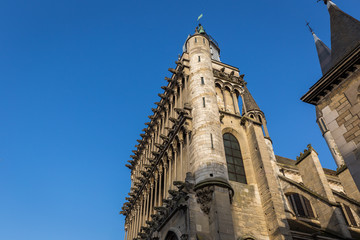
(138, 219)
(180, 95)
(235, 102)
(176, 99)
(130, 228)
(148, 191)
(243, 105)
(156, 190)
(151, 197)
(223, 95)
(170, 173)
(175, 165)
(146, 197)
(181, 161)
(141, 212)
(160, 186)
(187, 151)
(165, 179)
(163, 123)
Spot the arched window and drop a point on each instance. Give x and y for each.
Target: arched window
(300, 205)
(349, 215)
(171, 236)
(234, 159)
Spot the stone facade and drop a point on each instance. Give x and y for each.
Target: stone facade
(337, 94)
(340, 110)
(205, 168)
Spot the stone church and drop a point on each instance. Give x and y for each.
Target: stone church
(204, 167)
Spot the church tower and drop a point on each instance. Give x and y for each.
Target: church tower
(337, 94)
(205, 168)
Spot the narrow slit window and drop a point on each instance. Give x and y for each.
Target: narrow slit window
(202, 81)
(203, 102)
(196, 40)
(203, 40)
(212, 143)
(199, 59)
(323, 124)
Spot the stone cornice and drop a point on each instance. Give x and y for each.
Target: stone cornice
(333, 77)
(342, 195)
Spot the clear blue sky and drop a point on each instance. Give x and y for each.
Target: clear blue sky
(78, 80)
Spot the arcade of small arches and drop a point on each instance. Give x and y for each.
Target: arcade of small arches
(168, 170)
(228, 96)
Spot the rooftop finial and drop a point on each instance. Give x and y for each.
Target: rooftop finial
(325, 1)
(308, 24)
(199, 29)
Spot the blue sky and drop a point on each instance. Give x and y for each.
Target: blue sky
(78, 80)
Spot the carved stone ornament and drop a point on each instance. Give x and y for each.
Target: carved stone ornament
(228, 77)
(204, 198)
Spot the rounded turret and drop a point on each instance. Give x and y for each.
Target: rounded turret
(206, 150)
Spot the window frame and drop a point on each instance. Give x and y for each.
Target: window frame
(234, 160)
(305, 209)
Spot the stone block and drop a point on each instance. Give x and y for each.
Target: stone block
(339, 132)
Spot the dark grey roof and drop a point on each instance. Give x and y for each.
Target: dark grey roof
(324, 54)
(249, 102)
(284, 160)
(290, 162)
(345, 33)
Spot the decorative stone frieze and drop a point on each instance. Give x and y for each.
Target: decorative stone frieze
(229, 77)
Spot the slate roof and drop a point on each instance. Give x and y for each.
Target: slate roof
(345, 33)
(324, 54)
(249, 101)
(290, 162)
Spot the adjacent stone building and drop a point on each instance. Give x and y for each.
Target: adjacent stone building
(337, 94)
(205, 168)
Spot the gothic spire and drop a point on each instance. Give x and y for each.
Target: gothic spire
(323, 51)
(345, 32)
(249, 103)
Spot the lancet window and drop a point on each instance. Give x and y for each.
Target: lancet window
(234, 159)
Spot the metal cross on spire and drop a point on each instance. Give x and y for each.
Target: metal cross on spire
(308, 24)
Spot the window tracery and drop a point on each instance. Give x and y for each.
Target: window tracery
(234, 159)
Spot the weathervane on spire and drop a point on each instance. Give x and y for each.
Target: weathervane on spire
(199, 29)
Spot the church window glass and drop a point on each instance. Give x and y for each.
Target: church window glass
(234, 159)
(300, 205)
(350, 218)
(171, 236)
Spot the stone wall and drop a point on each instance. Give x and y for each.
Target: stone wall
(341, 113)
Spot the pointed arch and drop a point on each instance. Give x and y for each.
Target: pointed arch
(171, 235)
